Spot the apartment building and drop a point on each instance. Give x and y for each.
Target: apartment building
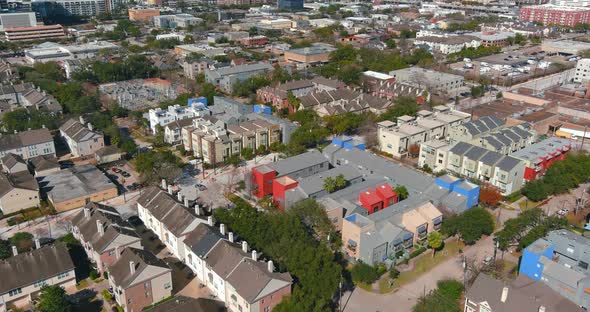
(175, 21)
(433, 81)
(449, 44)
(27, 144)
(162, 117)
(73, 187)
(226, 77)
(47, 8)
(522, 294)
(104, 234)
(299, 166)
(504, 172)
(396, 138)
(52, 51)
(81, 140)
(549, 14)
(539, 156)
(560, 261)
(168, 217)
(16, 20)
(216, 141)
(388, 233)
(194, 68)
(277, 96)
(25, 274)
(34, 32)
(18, 191)
(143, 14)
(12, 164)
(310, 56)
(139, 279)
(491, 133)
(232, 272)
(582, 71)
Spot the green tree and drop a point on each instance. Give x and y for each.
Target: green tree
(153, 166)
(329, 185)
(364, 273)
(5, 249)
(293, 100)
(247, 153)
(470, 225)
(402, 192)
(54, 299)
(435, 241)
(403, 105)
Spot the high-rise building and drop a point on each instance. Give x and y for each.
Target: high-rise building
(290, 5)
(555, 15)
(12, 20)
(47, 8)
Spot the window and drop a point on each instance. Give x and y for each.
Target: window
(15, 292)
(147, 294)
(62, 275)
(167, 286)
(583, 265)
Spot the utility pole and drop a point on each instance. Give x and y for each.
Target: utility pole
(340, 297)
(583, 137)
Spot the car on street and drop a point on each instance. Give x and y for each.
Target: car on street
(201, 187)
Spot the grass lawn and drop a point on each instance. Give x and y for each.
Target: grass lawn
(421, 266)
(82, 284)
(527, 204)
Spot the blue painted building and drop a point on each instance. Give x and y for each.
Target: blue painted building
(560, 261)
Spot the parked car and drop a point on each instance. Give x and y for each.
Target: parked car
(125, 174)
(201, 187)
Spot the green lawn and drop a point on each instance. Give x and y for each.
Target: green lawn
(422, 266)
(527, 204)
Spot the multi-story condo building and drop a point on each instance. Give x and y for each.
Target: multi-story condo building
(504, 172)
(34, 32)
(17, 20)
(549, 14)
(431, 80)
(18, 191)
(226, 77)
(175, 21)
(539, 156)
(47, 8)
(81, 140)
(143, 14)
(162, 117)
(232, 272)
(448, 44)
(582, 71)
(28, 144)
(168, 217)
(104, 234)
(488, 294)
(560, 261)
(25, 274)
(139, 279)
(396, 138)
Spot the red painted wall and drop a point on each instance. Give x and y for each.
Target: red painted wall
(263, 182)
(273, 299)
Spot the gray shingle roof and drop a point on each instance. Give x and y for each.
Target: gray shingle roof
(461, 148)
(507, 163)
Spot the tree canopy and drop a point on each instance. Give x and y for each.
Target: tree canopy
(53, 299)
(470, 225)
(529, 226)
(154, 166)
(287, 239)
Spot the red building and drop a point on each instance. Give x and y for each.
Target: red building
(540, 156)
(256, 41)
(279, 187)
(262, 177)
(387, 195)
(555, 15)
(371, 201)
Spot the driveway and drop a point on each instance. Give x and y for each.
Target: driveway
(406, 297)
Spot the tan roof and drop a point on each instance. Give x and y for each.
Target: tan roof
(21, 180)
(147, 267)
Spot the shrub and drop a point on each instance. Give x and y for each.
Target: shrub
(94, 275)
(107, 295)
(105, 275)
(417, 252)
(393, 273)
(364, 273)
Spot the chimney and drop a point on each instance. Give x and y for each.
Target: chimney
(270, 266)
(117, 252)
(14, 251)
(186, 203)
(164, 186)
(81, 119)
(99, 227)
(37, 242)
(43, 126)
(197, 210)
(587, 91)
(254, 255)
(504, 294)
(179, 196)
(132, 267)
(170, 190)
(222, 229)
(230, 237)
(86, 212)
(245, 246)
(210, 220)
(542, 309)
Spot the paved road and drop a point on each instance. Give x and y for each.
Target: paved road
(405, 298)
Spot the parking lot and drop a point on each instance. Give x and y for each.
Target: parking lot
(123, 174)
